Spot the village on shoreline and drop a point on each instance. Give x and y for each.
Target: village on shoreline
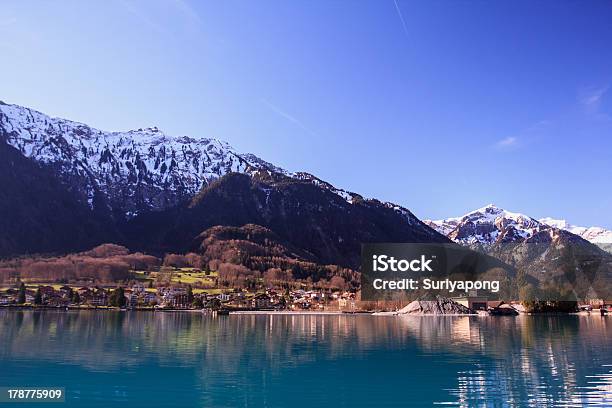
(109, 278)
(183, 297)
(138, 297)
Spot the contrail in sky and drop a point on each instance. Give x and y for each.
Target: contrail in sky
(401, 17)
(289, 117)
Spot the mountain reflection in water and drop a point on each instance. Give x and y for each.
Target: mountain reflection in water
(188, 359)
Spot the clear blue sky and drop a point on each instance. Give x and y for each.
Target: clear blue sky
(441, 106)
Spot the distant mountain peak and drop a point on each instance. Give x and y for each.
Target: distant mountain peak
(489, 207)
(596, 235)
(491, 224)
(557, 223)
(487, 225)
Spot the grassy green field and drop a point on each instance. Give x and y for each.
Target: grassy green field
(186, 276)
(201, 282)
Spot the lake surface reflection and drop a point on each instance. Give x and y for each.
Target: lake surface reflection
(187, 359)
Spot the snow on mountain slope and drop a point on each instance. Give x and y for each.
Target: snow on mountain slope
(444, 226)
(134, 170)
(488, 225)
(137, 170)
(596, 235)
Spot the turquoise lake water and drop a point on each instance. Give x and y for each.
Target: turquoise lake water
(134, 359)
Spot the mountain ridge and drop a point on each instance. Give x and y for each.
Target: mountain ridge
(564, 264)
(488, 224)
(596, 235)
(134, 170)
(307, 216)
(161, 192)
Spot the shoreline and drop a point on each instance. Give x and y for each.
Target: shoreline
(293, 312)
(149, 309)
(280, 312)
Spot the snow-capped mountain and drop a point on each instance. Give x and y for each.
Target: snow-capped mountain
(134, 170)
(596, 235)
(137, 170)
(445, 226)
(487, 226)
(155, 192)
(491, 224)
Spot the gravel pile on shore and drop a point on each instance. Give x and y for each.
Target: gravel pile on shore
(439, 306)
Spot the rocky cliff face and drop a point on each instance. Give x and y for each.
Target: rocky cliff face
(128, 172)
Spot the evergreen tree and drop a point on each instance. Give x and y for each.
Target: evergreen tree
(189, 294)
(21, 298)
(215, 304)
(117, 298)
(197, 303)
(38, 297)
